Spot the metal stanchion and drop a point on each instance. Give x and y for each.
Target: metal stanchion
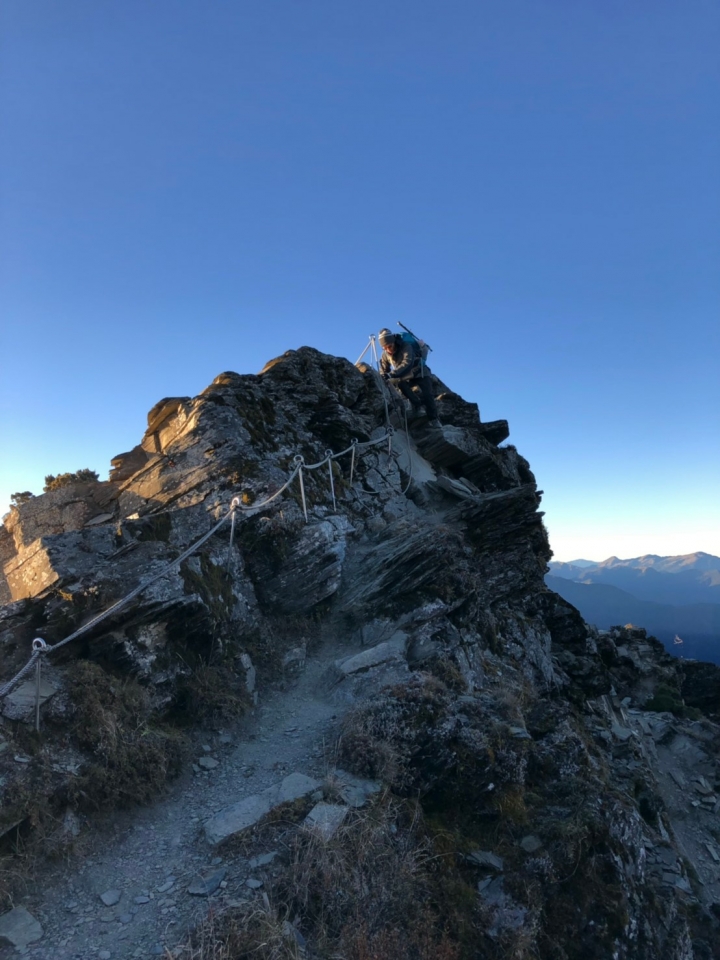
(328, 454)
(233, 506)
(299, 459)
(352, 459)
(39, 646)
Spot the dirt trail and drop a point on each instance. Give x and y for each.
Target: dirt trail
(151, 855)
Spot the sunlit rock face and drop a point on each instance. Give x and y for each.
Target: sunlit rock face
(473, 688)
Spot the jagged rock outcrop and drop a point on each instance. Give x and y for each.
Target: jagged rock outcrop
(480, 694)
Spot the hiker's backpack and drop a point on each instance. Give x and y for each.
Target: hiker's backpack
(419, 346)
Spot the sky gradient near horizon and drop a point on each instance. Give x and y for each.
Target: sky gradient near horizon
(531, 185)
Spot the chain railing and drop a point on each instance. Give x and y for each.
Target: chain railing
(40, 649)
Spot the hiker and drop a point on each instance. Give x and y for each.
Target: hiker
(403, 366)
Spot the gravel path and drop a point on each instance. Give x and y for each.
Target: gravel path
(148, 857)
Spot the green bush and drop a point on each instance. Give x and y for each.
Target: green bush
(666, 700)
(63, 479)
(18, 498)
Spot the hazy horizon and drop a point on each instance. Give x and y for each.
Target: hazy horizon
(638, 556)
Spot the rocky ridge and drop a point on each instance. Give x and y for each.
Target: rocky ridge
(564, 779)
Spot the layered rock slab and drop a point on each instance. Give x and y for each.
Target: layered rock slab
(250, 811)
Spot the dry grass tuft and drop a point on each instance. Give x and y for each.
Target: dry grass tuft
(213, 694)
(369, 893)
(247, 932)
(129, 760)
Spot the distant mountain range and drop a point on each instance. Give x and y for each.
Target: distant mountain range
(668, 595)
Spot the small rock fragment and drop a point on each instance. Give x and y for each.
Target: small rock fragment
(484, 858)
(713, 852)
(531, 844)
(519, 733)
(203, 886)
(325, 819)
(353, 790)
(253, 883)
(263, 860)
(110, 897)
(292, 933)
(207, 763)
(619, 732)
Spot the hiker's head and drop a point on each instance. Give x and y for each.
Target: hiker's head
(388, 340)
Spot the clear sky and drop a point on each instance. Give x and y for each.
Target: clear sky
(532, 185)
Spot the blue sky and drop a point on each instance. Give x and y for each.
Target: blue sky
(531, 185)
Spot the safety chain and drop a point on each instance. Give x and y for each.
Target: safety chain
(40, 648)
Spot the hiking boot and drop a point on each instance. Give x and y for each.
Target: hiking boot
(435, 424)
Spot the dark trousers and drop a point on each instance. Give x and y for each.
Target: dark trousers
(425, 386)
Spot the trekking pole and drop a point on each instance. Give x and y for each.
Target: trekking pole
(408, 330)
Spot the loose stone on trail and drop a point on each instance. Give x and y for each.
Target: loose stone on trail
(208, 763)
(204, 886)
(111, 897)
(19, 928)
(392, 649)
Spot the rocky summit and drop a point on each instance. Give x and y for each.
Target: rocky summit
(350, 718)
